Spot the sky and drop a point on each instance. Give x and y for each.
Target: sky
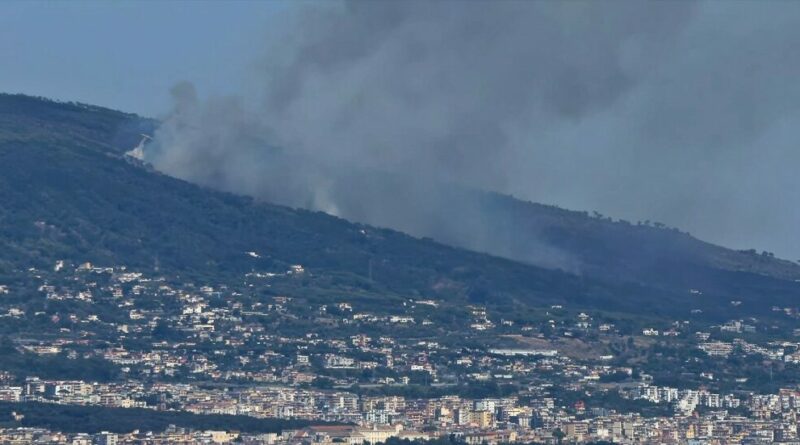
(126, 54)
(686, 113)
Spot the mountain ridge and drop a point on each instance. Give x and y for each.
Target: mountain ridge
(67, 194)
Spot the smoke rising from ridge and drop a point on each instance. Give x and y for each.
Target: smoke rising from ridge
(686, 113)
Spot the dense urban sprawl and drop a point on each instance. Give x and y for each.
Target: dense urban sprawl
(83, 335)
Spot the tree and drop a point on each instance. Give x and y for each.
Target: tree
(559, 435)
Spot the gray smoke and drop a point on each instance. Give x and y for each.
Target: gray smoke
(685, 113)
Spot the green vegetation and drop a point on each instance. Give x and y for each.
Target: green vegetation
(94, 419)
(57, 366)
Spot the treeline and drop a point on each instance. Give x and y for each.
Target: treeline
(57, 366)
(94, 419)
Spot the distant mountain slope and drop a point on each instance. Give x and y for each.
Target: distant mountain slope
(619, 249)
(66, 192)
(25, 118)
(543, 235)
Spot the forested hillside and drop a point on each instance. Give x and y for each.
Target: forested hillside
(68, 193)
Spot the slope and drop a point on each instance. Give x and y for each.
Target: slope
(67, 193)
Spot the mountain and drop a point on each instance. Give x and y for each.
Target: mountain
(544, 235)
(68, 192)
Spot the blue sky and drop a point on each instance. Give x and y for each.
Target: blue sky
(126, 55)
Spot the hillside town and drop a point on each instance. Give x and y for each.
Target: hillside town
(367, 374)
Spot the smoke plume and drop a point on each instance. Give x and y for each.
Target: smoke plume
(391, 112)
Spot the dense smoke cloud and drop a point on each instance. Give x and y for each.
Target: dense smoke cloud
(686, 113)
